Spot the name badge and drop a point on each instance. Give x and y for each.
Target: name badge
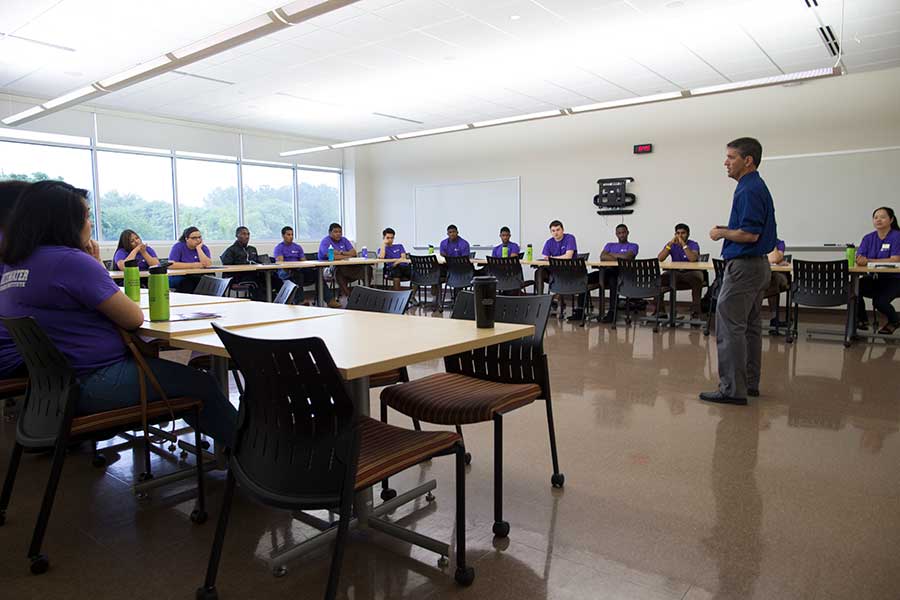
(885, 246)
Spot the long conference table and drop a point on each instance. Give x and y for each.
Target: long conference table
(361, 344)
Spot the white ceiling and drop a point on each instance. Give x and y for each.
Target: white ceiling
(439, 62)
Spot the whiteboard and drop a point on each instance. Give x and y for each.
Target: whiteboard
(829, 197)
(478, 208)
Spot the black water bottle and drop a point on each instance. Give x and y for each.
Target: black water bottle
(485, 299)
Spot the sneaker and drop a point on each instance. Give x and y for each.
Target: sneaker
(776, 323)
(333, 303)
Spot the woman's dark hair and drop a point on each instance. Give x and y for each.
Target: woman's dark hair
(10, 190)
(125, 240)
(890, 212)
(186, 234)
(48, 213)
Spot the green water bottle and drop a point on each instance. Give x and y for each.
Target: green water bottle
(132, 280)
(851, 255)
(159, 294)
(504, 251)
(529, 252)
(430, 249)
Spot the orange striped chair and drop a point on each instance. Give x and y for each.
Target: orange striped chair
(484, 385)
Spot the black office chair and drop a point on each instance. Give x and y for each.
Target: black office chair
(109, 265)
(640, 279)
(508, 272)
(47, 420)
(264, 259)
(426, 274)
(301, 444)
(381, 301)
(569, 277)
(820, 284)
(287, 292)
(715, 286)
(213, 286)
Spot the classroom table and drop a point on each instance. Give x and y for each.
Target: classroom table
(363, 344)
(178, 299)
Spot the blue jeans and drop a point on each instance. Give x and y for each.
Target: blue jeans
(117, 386)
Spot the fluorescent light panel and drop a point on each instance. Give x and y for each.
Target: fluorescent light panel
(626, 102)
(374, 140)
(415, 134)
(305, 151)
(22, 116)
(529, 117)
(71, 96)
(764, 81)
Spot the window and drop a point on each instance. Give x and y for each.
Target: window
(135, 193)
(208, 197)
(268, 200)
(320, 202)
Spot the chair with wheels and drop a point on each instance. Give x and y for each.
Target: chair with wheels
(381, 301)
(426, 274)
(508, 272)
(640, 279)
(460, 272)
(213, 286)
(569, 277)
(820, 284)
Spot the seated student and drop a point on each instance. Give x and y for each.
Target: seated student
(880, 246)
(512, 248)
(189, 252)
(54, 275)
(399, 270)
(683, 249)
(288, 251)
(777, 284)
(132, 247)
(621, 248)
(343, 249)
(10, 190)
(242, 253)
(453, 245)
(560, 245)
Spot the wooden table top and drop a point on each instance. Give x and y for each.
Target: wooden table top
(364, 343)
(297, 264)
(234, 314)
(181, 299)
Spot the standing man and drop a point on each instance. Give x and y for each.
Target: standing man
(512, 248)
(682, 248)
(242, 253)
(621, 248)
(560, 245)
(749, 237)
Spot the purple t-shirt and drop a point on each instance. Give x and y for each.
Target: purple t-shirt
(619, 248)
(61, 287)
(498, 250)
(873, 246)
(343, 245)
(291, 253)
(392, 251)
(181, 253)
(779, 245)
(141, 261)
(458, 248)
(677, 254)
(554, 248)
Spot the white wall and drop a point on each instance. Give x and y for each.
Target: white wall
(559, 160)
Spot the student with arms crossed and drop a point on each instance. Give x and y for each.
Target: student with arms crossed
(189, 252)
(343, 250)
(242, 253)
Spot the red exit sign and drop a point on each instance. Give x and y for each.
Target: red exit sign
(643, 149)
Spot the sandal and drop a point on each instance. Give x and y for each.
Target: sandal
(889, 329)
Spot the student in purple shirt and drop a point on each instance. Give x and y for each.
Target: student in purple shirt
(132, 247)
(396, 271)
(683, 249)
(512, 248)
(880, 246)
(560, 245)
(621, 248)
(343, 249)
(289, 251)
(51, 277)
(189, 252)
(777, 284)
(453, 245)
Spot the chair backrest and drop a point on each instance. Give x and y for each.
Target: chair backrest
(213, 286)
(109, 265)
(639, 278)
(507, 271)
(704, 258)
(788, 258)
(264, 259)
(459, 271)
(286, 294)
(53, 390)
(820, 283)
(381, 301)
(583, 256)
(311, 255)
(568, 275)
(471, 255)
(719, 269)
(519, 361)
(424, 269)
(297, 441)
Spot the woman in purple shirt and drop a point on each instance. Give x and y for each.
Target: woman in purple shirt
(880, 246)
(50, 276)
(189, 252)
(132, 247)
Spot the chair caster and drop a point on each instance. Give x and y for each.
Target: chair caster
(279, 571)
(706, 333)
(142, 496)
(99, 461)
(429, 497)
(207, 594)
(789, 339)
(443, 562)
(847, 344)
(145, 476)
(198, 516)
(464, 576)
(388, 494)
(558, 480)
(468, 458)
(39, 564)
(183, 455)
(501, 529)
(656, 330)
(172, 448)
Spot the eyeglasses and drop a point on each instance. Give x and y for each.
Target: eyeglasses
(196, 237)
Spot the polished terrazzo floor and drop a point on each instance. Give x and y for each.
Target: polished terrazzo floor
(667, 498)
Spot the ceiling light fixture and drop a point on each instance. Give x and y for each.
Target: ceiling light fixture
(374, 140)
(423, 133)
(529, 117)
(767, 81)
(252, 29)
(629, 102)
(305, 151)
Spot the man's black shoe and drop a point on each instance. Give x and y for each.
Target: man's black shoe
(607, 318)
(577, 315)
(721, 398)
(753, 392)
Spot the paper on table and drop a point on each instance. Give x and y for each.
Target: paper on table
(192, 316)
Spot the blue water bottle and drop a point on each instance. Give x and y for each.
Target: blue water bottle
(331, 254)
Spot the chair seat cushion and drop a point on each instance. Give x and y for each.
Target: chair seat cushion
(15, 387)
(385, 378)
(454, 399)
(385, 450)
(131, 415)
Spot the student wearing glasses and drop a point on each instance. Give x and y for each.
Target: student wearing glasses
(189, 252)
(880, 246)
